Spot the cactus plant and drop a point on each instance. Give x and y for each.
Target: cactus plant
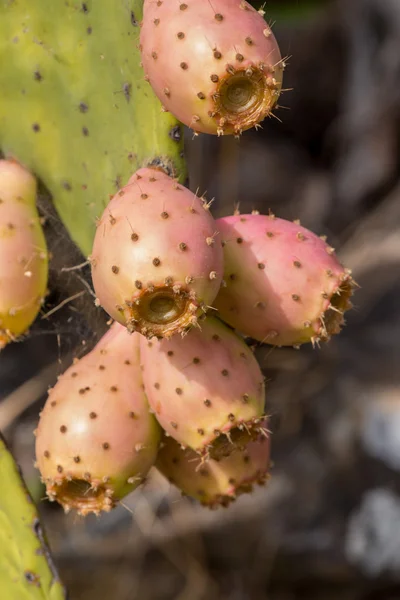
(74, 106)
(27, 571)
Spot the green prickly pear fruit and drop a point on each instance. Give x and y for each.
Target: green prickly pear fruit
(23, 252)
(96, 438)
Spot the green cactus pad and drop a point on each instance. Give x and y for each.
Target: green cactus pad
(26, 568)
(74, 106)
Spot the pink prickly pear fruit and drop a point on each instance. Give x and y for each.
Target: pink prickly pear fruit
(206, 390)
(96, 439)
(215, 65)
(283, 285)
(156, 263)
(215, 483)
(23, 252)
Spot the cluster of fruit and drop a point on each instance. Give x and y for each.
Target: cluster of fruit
(173, 383)
(168, 370)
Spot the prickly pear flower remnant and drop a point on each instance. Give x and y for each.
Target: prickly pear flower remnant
(284, 285)
(156, 261)
(216, 483)
(96, 439)
(216, 65)
(23, 252)
(206, 390)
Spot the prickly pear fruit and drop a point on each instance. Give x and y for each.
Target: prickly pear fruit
(215, 482)
(283, 284)
(156, 263)
(206, 390)
(215, 65)
(96, 439)
(23, 252)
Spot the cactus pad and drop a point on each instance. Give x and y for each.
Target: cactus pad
(26, 568)
(74, 106)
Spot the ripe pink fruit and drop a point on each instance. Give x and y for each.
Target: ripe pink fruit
(155, 262)
(23, 252)
(96, 439)
(215, 483)
(207, 390)
(284, 284)
(215, 65)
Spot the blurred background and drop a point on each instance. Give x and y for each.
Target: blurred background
(327, 525)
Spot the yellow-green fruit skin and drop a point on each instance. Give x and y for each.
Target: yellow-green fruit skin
(211, 482)
(23, 252)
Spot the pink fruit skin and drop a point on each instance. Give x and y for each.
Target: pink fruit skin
(23, 252)
(203, 386)
(215, 483)
(189, 53)
(156, 237)
(280, 281)
(95, 431)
